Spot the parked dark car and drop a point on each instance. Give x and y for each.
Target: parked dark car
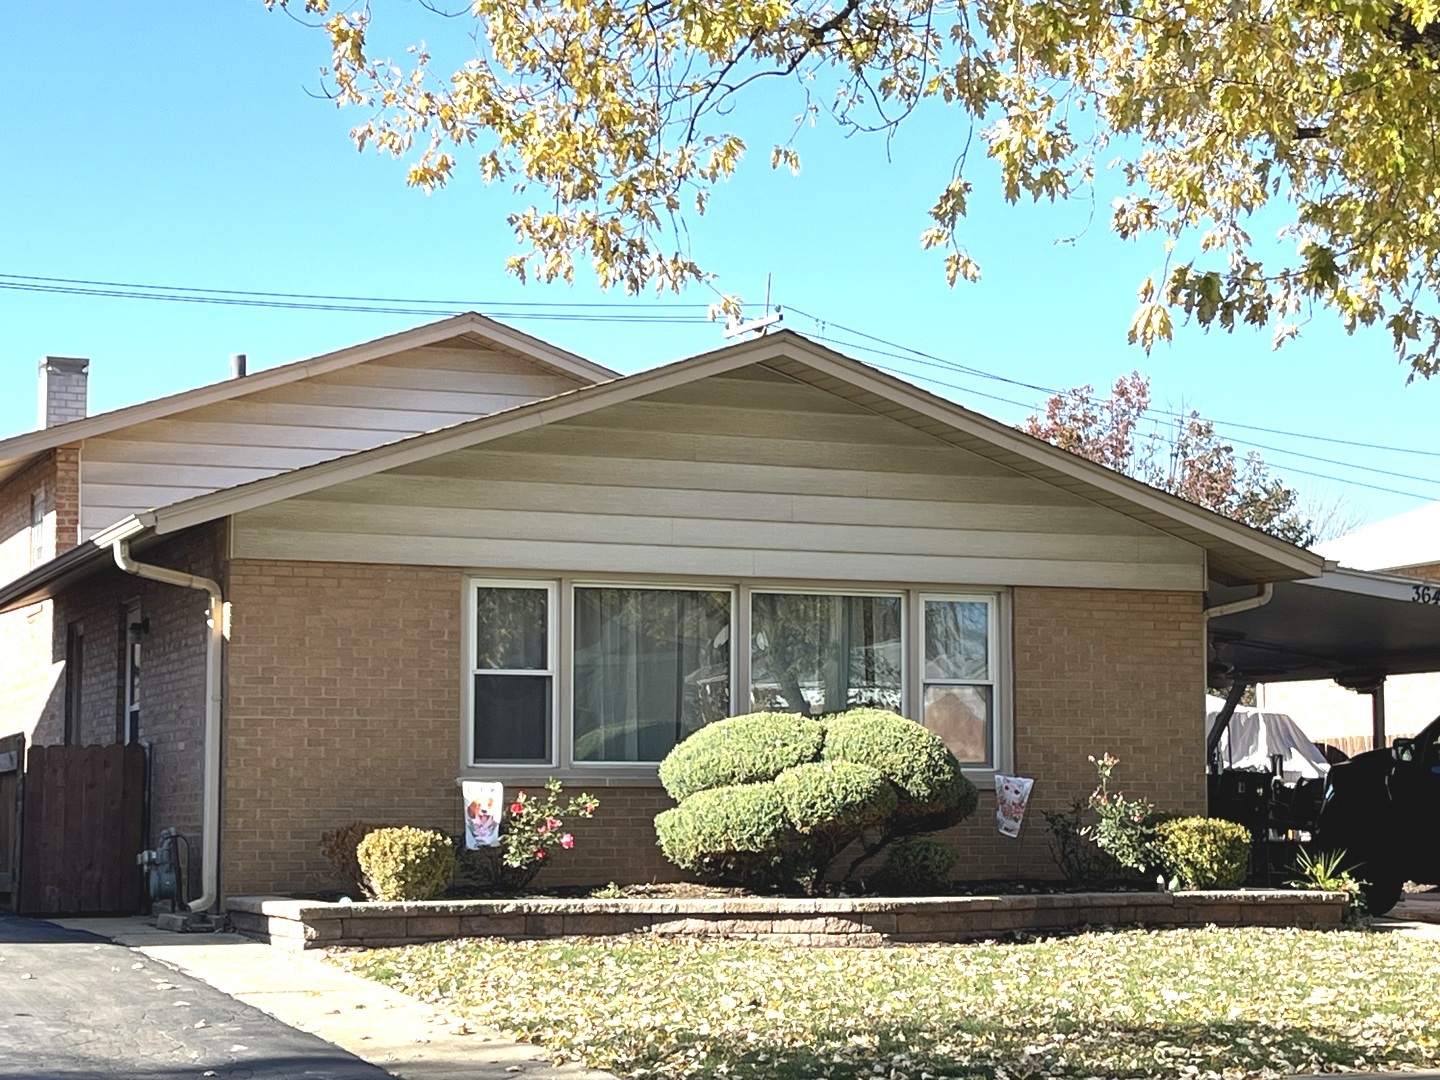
(1382, 808)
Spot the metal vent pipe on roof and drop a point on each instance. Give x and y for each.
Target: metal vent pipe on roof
(237, 365)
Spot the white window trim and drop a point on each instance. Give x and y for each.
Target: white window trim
(992, 655)
(561, 590)
(134, 617)
(553, 667)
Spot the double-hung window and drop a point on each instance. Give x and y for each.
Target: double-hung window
(513, 677)
(957, 671)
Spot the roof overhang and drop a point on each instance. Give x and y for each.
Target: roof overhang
(1235, 554)
(71, 567)
(1350, 625)
(18, 451)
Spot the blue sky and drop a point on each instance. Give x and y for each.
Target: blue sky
(175, 143)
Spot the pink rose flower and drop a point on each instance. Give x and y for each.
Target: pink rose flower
(567, 841)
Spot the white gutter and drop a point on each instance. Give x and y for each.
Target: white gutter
(1260, 599)
(215, 619)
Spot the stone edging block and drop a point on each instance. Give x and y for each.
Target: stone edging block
(306, 924)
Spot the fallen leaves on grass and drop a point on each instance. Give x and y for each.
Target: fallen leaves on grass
(1214, 1004)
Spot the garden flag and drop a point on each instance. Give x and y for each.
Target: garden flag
(484, 803)
(1012, 795)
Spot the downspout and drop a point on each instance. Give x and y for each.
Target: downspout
(1260, 599)
(1237, 689)
(210, 846)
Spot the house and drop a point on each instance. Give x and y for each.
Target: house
(461, 553)
(1407, 545)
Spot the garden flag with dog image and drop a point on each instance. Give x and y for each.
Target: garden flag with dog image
(484, 803)
(1012, 795)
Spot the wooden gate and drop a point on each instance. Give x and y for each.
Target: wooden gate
(12, 788)
(82, 826)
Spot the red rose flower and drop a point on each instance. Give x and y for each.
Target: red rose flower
(539, 853)
(517, 808)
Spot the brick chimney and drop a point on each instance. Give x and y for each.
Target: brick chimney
(63, 394)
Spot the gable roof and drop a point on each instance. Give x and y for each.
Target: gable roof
(1236, 553)
(17, 451)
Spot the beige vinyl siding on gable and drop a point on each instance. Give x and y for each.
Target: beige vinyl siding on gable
(158, 462)
(747, 475)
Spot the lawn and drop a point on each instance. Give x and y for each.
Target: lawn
(1184, 1003)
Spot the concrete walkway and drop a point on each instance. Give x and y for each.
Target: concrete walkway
(376, 1024)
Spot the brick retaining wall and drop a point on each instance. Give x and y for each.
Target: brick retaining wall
(305, 924)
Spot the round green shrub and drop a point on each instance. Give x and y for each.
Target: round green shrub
(741, 750)
(773, 798)
(1204, 853)
(740, 832)
(406, 863)
(917, 867)
(835, 797)
(916, 760)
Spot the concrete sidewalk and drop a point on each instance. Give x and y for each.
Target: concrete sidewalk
(379, 1025)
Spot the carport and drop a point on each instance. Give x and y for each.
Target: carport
(1356, 627)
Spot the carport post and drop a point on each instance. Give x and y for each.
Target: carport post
(1377, 714)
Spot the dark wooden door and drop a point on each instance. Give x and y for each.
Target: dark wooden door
(82, 827)
(12, 788)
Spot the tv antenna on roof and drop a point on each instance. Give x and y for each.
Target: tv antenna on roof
(734, 327)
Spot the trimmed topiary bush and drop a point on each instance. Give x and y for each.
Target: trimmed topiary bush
(406, 863)
(1204, 853)
(916, 867)
(740, 750)
(772, 798)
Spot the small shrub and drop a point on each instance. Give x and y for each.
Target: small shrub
(1127, 828)
(1073, 847)
(916, 867)
(531, 832)
(1204, 853)
(339, 847)
(1326, 872)
(741, 750)
(406, 863)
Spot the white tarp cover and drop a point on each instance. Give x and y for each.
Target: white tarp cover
(1253, 736)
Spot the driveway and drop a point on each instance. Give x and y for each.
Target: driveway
(75, 1006)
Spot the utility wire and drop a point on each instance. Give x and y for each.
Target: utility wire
(32, 278)
(930, 360)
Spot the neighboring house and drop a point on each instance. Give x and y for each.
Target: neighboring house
(552, 579)
(1408, 545)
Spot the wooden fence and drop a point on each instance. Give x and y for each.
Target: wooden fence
(82, 826)
(12, 787)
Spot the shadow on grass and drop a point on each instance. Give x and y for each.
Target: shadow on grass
(983, 1050)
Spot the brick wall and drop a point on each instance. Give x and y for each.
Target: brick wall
(32, 667)
(344, 705)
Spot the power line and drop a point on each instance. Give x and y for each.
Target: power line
(931, 360)
(258, 293)
(1288, 468)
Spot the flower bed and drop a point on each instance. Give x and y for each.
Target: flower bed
(306, 924)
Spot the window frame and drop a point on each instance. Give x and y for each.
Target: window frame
(568, 591)
(473, 585)
(993, 653)
(903, 595)
(561, 610)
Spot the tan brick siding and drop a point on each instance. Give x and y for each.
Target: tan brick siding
(345, 705)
